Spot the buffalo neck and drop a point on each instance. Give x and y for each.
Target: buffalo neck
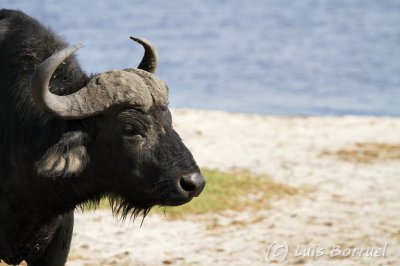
(64, 194)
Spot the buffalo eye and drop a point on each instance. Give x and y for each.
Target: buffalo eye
(131, 130)
(133, 122)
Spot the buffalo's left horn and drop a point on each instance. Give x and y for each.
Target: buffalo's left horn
(150, 59)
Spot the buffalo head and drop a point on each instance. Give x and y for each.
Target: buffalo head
(122, 138)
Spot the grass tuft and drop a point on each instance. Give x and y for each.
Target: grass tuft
(367, 153)
(231, 191)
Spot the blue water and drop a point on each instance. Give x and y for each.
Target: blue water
(304, 57)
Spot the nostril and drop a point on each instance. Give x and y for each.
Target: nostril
(192, 183)
(187, 184)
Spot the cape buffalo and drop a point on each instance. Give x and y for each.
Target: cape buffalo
(68, 138)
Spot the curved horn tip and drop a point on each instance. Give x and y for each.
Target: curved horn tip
(150, 59)
(139, 40)
(134, 38)
(78, 45)
(71, 49)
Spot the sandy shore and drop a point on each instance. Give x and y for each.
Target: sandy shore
(350, 164)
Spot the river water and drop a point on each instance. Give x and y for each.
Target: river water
(288, 57)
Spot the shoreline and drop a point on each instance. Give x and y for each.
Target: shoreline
(178, 109)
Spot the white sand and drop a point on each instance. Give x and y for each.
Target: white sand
(353, 205)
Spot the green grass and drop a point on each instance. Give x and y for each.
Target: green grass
(231, 191)
(228, 191)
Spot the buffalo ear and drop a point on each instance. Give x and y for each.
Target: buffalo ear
(66, 158)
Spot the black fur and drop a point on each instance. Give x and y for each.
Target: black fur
(49, 166)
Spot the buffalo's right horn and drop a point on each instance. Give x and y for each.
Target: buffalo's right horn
(150, 59)
(103, 91)
(64, 106)
(98, 95)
